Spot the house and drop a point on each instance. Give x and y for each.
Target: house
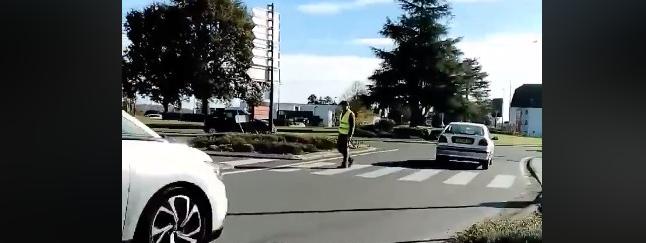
(325, 112)
(526, 110)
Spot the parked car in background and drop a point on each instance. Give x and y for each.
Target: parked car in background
(170, 192)
(154, 116)
(223, 121)
(148, 112)
(466, 141)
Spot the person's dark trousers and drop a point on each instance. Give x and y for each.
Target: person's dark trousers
(342, 143)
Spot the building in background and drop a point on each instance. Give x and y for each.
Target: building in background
(526, 110)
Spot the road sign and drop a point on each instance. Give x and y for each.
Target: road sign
(261, 112)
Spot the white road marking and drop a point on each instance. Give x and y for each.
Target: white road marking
(312, 161)
(313, 165)
(341, 170)
(461, 178)
(247, 161)
(420, 175)
(375, 152)
(286, 169)
(380, 172)
(502, 181)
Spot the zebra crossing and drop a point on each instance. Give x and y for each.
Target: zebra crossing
(456, 178)
(404, 175)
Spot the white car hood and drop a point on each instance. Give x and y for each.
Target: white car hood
(164, 157)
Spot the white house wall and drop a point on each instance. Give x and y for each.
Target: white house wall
(531, 120)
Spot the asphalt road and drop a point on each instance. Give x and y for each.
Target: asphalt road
(396, 194)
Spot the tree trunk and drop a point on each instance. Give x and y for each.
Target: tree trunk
(165, 105)
(205, 106)
(415, 114)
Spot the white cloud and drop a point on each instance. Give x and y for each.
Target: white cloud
(304, 74)
(376, 42)
(336, 7)
(508, 58)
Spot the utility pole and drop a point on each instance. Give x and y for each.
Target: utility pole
(270, 52)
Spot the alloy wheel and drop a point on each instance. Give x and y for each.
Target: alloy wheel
(177, 220)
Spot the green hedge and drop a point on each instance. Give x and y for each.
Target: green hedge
(385, 125)
(361, 133)
(526, 230)
(265, 143)
(243, 147)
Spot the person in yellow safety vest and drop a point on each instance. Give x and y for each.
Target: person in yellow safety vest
(346, 130)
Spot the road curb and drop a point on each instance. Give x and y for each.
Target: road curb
(539, 199)
(533, 172)
(317, 155)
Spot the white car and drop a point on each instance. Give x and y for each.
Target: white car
(169, 192)
(466, 141)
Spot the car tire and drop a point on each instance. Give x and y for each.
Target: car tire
(161, 220)
(485, 164)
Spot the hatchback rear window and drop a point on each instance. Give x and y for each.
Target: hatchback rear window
(465, 130)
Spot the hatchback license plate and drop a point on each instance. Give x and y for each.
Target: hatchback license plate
(462, 140)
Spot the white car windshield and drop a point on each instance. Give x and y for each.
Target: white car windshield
(130, 130)
(465, 129)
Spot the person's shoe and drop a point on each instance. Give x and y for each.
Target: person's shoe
(350, 161)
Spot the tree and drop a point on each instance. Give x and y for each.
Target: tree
(328, 100)
(218, 40)
(152, 55)
(356, 88)
(418, 70)
(312, 99)
(471, 102)
(193, 47)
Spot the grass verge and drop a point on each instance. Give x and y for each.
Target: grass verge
(504, 139)
(528, 229)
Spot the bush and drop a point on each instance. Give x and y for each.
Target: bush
(200, 142)
(528, 229)
(408, 132)
(323, 143)
(386, 125)
(364, 133)
(225, 147)
(264, 147)
(310, 148)
(242, 147)
(288, 148)
(226, 139)
(370, 128)
(237, 140)
(434, 134)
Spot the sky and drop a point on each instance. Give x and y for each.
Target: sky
(325, 44)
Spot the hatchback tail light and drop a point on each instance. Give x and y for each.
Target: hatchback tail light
(483, 142)
(442, 139)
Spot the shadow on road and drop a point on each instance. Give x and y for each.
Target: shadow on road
(508, 204)
(430, 164)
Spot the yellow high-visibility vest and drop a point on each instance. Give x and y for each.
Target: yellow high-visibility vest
(344, 125)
